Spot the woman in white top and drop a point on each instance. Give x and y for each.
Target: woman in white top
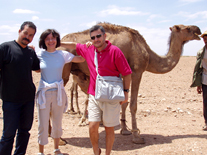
(51, 97)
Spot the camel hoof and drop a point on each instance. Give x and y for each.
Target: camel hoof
(79, 115)
(82, 123)
(72, 112)
(62, 142)
(125, 132)
(138, 140)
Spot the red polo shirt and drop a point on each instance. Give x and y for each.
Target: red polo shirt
(111, 62)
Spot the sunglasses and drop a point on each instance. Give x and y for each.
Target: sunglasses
(97, 36)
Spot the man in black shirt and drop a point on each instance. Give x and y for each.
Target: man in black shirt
(17, 89)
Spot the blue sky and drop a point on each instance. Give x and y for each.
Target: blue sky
(152, 18)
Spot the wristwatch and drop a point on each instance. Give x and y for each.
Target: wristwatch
(126, 90)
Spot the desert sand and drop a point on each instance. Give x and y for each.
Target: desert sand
(169, 116)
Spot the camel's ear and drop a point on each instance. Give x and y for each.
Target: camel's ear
(170, 28)
(177, 28)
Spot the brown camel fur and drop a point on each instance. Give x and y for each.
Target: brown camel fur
(140, 58)
(82, 80)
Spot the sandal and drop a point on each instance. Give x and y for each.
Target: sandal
(57, 152)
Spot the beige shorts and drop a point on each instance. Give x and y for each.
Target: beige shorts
(109, 113)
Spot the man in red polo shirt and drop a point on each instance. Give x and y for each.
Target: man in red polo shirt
(111, 62)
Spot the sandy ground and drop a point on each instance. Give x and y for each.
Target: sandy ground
(169, 117)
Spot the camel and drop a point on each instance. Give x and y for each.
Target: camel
(140, 58)
(82, 80)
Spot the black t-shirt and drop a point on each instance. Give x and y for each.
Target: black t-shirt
(16, 64)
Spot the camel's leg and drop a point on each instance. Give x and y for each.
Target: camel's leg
(49, 129)
(83, 118)
(133, 107)
(76, 97)
(124, 130)
(71, 98)
(71, 109)
(66, 72)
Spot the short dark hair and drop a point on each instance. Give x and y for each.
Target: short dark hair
(45, 34)
(96, 27)
(29, 24)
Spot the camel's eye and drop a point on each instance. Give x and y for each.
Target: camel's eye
(188, 29)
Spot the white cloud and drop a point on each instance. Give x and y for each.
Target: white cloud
(8, 28)
(44, 19)
(5, 27)
(115, 10)
(189, 16)
(186, 2)
(89, 24)
(5, 34)
(164, 21)
(190, 1)
(200, 22)
(35, 18)
(153, 16)
(48, 20)
(9, 32)
(23, 11)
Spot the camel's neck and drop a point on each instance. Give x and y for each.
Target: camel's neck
(163, 64)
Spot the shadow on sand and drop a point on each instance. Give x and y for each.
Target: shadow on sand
(124, 143)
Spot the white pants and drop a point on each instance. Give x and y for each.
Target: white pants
(53, 112)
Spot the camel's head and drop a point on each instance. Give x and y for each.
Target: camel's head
(186, 33)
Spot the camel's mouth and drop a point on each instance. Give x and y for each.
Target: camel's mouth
(197, 32)
(197, 36)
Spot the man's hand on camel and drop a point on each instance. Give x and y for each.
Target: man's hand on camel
(33, 47)
(89, 43)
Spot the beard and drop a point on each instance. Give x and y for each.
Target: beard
(25, 41)
(99, 44)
